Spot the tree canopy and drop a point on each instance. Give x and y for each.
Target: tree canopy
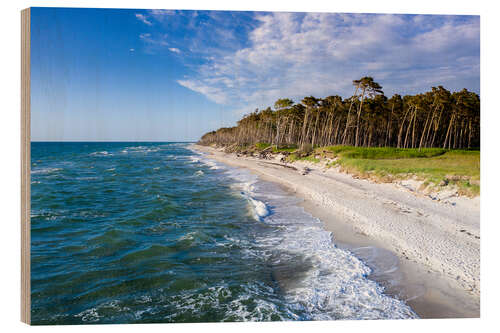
(437, 118)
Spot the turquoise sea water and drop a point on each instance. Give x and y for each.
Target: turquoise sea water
(155, 232)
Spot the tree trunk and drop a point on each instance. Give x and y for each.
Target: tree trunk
(304, 127)
(359, 114)
(470, 134)
(413, 132)
(315, 128)
(400, 134)
(389, 125)
(336, 133)
(424, 132)
(348, 118)
(277, 129)
(448, 132)
(436, 127)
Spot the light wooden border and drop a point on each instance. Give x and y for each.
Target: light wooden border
(25, 166)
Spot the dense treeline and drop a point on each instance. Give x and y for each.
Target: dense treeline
(436, 118)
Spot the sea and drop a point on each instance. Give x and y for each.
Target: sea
(150, 232)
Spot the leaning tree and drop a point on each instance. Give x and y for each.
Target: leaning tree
(368, 88)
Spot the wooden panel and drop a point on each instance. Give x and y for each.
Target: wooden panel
(25, 167)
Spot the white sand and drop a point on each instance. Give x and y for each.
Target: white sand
(437, 241)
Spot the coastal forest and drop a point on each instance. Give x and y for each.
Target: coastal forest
(437, 118)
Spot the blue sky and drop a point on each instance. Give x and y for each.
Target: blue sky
(163, 75)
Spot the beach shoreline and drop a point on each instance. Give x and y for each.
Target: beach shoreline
(435, 244)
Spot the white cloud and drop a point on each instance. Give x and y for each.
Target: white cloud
(161, 12)
(158, 40)
(174, 49)
(212, 92)
(143, 19)
(295, 55)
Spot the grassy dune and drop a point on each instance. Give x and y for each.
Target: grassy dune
(434, 166)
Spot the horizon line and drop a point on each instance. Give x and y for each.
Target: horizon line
(72, 141)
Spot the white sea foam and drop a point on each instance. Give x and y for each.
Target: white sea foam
(213, 165)
(244, 186)
(247, 305)
(93, 315)
(199, 173)
(318, 280)
(315, 276)
(194, 159)
(45, 170)
(101, 153)
(89, 315)
(260, 208)
(140, 149)
(199, 158)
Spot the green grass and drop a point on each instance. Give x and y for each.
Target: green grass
(262, 145)
(311, 159)
(432, 165)
(384, 152)
(289, 149)
(295, 157)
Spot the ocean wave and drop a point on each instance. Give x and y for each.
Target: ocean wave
(250, 301)
(246, 188)
(213, 165)
(199, 158)
(259, 255)
(259, 208)
(318, 278)
(45, 170)
(140, 149)
(94, 315)
(87, 178)
(101, 153)
(89, 315)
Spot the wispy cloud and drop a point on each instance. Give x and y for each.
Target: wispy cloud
(212, 92)
(293, 55)
(159, 39)
(143, 19)
(249, 60)
(202, 33)
(161, 12)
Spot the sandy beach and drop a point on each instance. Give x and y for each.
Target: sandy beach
(422, 249)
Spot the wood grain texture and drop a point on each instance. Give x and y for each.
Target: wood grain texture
(25, 166)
